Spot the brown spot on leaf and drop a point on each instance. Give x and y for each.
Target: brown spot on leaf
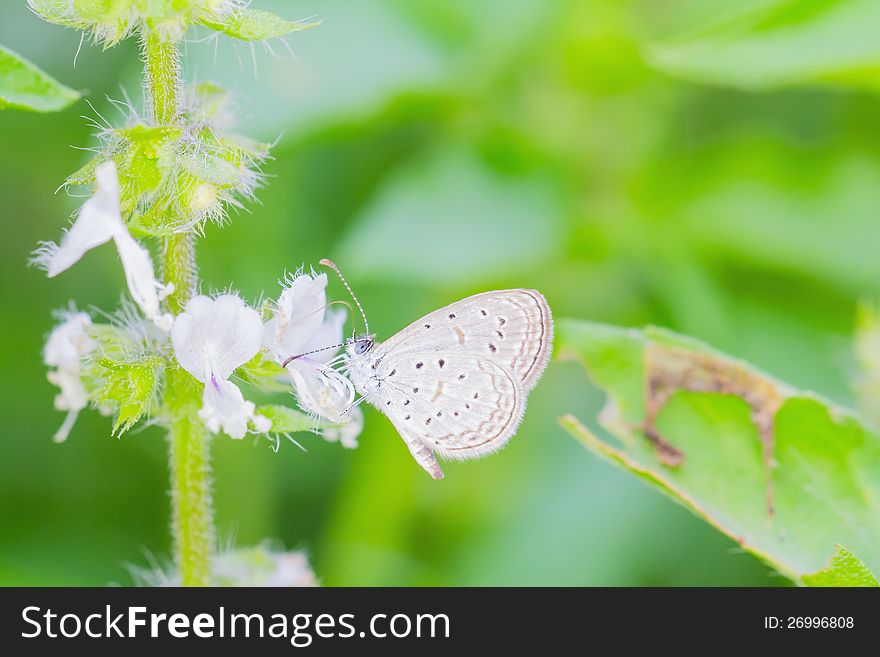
(670, 369)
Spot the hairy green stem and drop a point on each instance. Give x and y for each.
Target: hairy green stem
(193, 515)
(179, 267)
(162, 69)
(189, 453)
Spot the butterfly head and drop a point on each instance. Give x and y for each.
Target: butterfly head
(361, 346)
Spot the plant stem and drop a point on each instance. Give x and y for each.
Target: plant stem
(189, 453)
(162, 77)
(193, 515)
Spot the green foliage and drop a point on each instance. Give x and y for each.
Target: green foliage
(124, 375)
(110, 21)
(781, 43)
(264, 373)
(24, 86)
(175, 177)
(784, 473)
(129, 388)
(255, 25)
(286, 420)
(144, 156)
(844, 569)
(867, 354)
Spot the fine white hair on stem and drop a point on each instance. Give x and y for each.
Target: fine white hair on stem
(82, 36)
(106, 122)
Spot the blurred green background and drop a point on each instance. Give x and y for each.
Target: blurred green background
(436, 149)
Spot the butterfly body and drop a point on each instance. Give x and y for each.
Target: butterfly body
(455, 382)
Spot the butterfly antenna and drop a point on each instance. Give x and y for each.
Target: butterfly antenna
(332, 265)
(313, 351)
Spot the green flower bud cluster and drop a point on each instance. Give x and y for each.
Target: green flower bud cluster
(175, 178)
(110, 21)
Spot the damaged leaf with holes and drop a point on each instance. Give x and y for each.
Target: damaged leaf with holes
(783, 472)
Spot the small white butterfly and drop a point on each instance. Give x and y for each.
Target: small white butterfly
(455, 382)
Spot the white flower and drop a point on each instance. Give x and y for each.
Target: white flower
(98, 222)
(299, 320)
(261, 565)
(211, 338)
(301, 325)
(346, 434)
(65, 349)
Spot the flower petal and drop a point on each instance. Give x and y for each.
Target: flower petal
(216, 336)
(347, 434)
(65, 349)
(142, 284)
(64, 430)
(225, 409)
(98, 221)
(69, 342)
(322, 391)
(299, 315)
(328, 335)
(73, 395)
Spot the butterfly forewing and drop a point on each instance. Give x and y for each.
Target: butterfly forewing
(511, 328)
(460, 405)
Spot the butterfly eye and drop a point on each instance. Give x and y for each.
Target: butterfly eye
(363, 346)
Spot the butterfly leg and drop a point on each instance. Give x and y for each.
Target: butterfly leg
(424, 457)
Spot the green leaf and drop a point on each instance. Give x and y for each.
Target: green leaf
(124, 375)
(784, 43)
(286, 420)
(784, 473)
(256, 25)
(265, 374)
(146, 158)
(127, 387)
(60, 12)
(866, 349)
(26, 87)
(844, 569)
(102, 11)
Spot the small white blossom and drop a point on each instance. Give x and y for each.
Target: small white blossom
(347, 434)
(98, 222)
(211, 338)
(302, 324)
(65, 349)
(261, 565)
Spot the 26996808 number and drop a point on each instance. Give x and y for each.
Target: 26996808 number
(806, 622)
(809, 622)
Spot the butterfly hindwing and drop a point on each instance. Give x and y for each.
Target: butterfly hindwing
(460, 405)
(511, 328)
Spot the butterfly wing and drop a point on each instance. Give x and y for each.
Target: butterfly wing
(511, 328)
(460, 405)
